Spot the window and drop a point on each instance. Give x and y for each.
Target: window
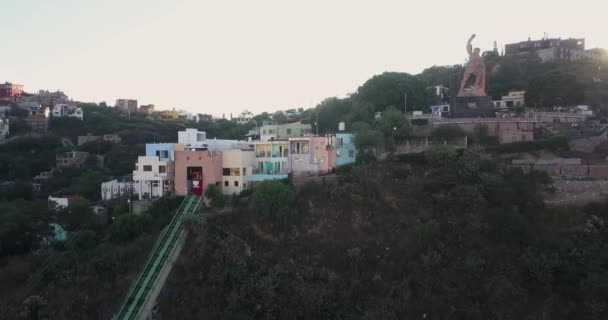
(523, 137)
(147, 168)
(187, 158)
(231, 172)
(162, 169)
(226, 183)
(200, 158)
(244, 171)
(264, 131)
(244, 185)
(155, 183)
(236, 183)
(288, 131)
(351, 153)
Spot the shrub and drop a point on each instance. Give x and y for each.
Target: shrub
(129, 227)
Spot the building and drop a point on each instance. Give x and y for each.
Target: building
(64, 110)
(127, 106)
(152, 177)
(71, 159)
(38, 119)
(111, 137)
(244, 117)
(311, 155)
(115, 189)
(194, 139)
(515, 99)
(549, 49)
(271, 160)
(4, 128)
(236, 165)
(146, 108)
(344, 147)
(10, 91)
(188, 163)
(284, 131)
(63, 202)
(154, 173)
(441, 110)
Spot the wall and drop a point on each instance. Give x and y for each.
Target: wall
(592, 171)
(152, 148)
(153, 183)
(211, 163)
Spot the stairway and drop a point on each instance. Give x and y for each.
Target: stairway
(142, 295)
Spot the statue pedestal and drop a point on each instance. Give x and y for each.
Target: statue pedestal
(472, 107)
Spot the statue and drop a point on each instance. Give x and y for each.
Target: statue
(477, 68)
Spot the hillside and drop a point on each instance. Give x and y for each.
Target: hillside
(439, 237)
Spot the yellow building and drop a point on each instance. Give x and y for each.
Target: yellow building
(236, 165)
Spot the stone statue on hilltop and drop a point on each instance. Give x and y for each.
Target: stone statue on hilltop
(476, 68)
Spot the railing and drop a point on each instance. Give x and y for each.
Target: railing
(148, 279)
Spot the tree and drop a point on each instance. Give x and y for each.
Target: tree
(128, 227)
(214, 194)
(394, 126)
(448, 132)
(389, 88)
(279, 117)
(330, 112)
(276, 201)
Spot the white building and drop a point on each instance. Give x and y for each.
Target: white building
(236, 165)
(194, 139)
(115, 189)
(63, 110)
(152, 177)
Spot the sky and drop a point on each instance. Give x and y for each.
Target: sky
(225, 56)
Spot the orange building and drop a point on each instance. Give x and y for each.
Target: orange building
(188, 162)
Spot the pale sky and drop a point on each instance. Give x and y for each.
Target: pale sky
(225, 56)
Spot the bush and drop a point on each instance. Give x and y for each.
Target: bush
(214, 194)
(552, 144)
(276, 201)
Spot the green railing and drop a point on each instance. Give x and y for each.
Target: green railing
(140, 292)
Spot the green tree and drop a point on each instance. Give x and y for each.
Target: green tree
(279, 117)
(276, 201)
(214, 194)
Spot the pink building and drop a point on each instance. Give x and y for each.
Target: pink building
(311, 155)
(188, 162)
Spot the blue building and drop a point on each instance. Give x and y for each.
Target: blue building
(346, 152)
(164, 151)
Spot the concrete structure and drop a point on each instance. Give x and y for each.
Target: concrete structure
(127, 106)
(146, 109)
(4, 128)
(38, 119)
(344, 147)
(10, 91)
(548, 49)
(271, 159)
(515, 99)
(284, 131)
(236, 165)
(187, 162)
(112, 137)
(115, 189)
(442, 110)
(71, 159)
(194, 139)
(152, 177)
(64, 110)
(557, 117)
(505, 130)
(440, 94)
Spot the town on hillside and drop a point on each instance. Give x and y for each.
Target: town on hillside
(487, 180)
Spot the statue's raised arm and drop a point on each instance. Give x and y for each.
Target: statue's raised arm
(469, 45)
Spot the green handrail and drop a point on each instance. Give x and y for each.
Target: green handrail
(164, 248)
